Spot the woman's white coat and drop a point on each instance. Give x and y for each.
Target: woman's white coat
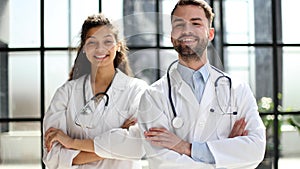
(110, 141)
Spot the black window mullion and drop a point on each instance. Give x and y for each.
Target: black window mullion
(276, 22)
(42, 82)
(100, 6)
(222, 40)
(158, 31)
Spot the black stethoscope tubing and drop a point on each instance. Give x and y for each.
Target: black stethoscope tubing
(169, 89)
(97, 94)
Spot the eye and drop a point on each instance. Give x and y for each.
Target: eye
(108, 42)
(178, 25)
(91, 43)
(197, 23)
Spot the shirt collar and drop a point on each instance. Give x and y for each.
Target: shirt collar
(204, 71)
(187, 73)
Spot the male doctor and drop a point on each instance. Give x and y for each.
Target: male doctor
(214, 122)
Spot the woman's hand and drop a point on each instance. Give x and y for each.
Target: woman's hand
(128, 123)
(53, 135)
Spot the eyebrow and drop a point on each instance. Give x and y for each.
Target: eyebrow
(108, 36)
(178, 20)
(196, 19)
(91, 37)
(94, 37)
(192, 19)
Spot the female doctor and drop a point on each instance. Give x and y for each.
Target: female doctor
(196, 116)
(82, 126)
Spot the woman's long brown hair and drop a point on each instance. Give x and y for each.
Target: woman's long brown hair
(82, 65)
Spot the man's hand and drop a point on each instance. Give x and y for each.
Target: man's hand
(128, 123)
(164, 138)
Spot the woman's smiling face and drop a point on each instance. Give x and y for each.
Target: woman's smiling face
(100, 46)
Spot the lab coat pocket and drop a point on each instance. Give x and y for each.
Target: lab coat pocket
(225, 125)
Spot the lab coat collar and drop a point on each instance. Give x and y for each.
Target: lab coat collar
(119, 83)
(184, 90)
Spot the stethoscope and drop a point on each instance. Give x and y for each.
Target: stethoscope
(177, 121)
(95, 97)
(87, 110)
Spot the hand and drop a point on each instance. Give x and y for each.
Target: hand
(239, 129)
(128, 123)
(56, 135)
(164, 138)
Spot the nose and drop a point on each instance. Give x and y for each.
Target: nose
(98, 46)
(101, 47)
(187, 28)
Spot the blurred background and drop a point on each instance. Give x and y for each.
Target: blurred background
(257, 41)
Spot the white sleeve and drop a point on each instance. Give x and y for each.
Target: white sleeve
(152, 110)
(243, 151)
(120, 144)
(55, 116)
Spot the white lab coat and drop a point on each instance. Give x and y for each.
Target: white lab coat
(201, 125)
(110, 141)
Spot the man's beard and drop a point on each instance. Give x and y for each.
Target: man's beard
(189, 53)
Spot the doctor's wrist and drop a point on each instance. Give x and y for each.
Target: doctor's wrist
(188, 149)
(86, 145)
(185, 148)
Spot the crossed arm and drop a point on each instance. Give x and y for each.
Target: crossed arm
(164, 138)
(86, 146)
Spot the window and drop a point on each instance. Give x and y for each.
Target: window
(35, 38)
(257, 47)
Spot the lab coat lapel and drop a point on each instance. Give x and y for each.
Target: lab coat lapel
(207, 101)
(119, 84)
(184, 90)
(208, 96)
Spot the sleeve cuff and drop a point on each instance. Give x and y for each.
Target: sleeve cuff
(200, 152)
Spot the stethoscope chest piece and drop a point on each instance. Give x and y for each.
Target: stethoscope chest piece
(177, 122)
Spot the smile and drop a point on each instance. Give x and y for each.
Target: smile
(187, 40)
(100, 56)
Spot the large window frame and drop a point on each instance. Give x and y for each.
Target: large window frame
(277, 45)
(5, 120)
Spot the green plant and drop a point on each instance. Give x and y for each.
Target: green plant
(294, 121)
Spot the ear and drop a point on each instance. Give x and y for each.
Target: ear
(211, 34)
(172, 40)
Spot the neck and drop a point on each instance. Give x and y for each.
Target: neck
(101, 78)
